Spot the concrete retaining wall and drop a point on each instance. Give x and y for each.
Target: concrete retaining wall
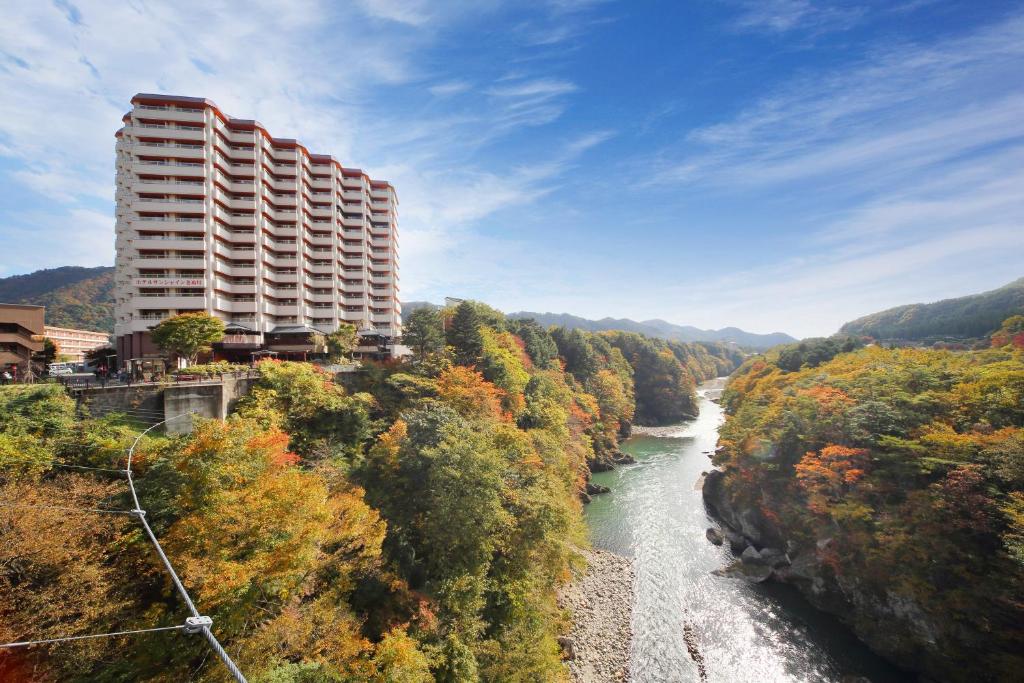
(155, 402)
(206, 399)
(145, 401)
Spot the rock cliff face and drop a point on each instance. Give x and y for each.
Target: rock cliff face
(890, 624)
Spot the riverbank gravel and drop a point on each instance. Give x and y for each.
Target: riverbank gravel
(601, 604)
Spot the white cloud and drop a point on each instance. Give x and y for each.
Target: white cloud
(323, 72)
(411, 12)
(904, 104)
(900, 175)
(780, 16)
(539, 88)
(449, 88)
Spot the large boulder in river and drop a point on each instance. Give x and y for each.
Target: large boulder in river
(595, 489)
(620, 458)
(747, 572)
(715, 536)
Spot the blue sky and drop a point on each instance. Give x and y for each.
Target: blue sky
(772, 164)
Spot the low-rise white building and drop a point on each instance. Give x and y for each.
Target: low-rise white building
(73, 344)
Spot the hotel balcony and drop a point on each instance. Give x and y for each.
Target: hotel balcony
(239, 253)
(236, 306)
(287, 185)
(178, 302)
(177, 205)
(247, 237)
(280, 200)
(281, 309)
(354, 316)
(281, 232)
(282, 278)
(235, 271)
(282, 215)
(320, 268)
(235, 288)
(166, 113)
(231, 185)
(242, 136)
(170, 149)
(177, 168)
(280, 291)
(280, 260)
(183, 131)
(247, 205)
(167, 186)
(182, 262)
(183, 243)
(239, 153)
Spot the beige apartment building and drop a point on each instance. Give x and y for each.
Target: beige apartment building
(214, 214)
(73, 344)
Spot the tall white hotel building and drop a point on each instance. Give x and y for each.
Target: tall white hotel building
(215, 215)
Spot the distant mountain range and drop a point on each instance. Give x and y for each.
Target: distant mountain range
(651, 328)
(73, 296)
(966, 317)
(83, 298)
(662, 329)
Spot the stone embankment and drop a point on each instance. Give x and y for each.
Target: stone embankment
(600, 601)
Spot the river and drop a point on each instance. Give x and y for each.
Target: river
(764, 633)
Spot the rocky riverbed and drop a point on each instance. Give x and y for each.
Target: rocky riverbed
(598, 645)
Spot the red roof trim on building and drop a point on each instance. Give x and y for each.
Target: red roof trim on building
(251, 124)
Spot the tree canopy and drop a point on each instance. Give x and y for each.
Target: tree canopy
(188, 334)
(412, 527)
(900, 471)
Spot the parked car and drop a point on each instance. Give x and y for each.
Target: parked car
(60, 370)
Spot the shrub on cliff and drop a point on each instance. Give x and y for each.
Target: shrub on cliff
(901, 471)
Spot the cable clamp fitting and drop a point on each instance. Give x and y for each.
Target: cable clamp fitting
(197, 624)
(140, 513)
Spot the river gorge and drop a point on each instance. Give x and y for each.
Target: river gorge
(688, 624)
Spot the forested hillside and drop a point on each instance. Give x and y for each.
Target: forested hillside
(73, 296)
(894, 480)
(651, 328)
(967, 317)
(411, 528)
